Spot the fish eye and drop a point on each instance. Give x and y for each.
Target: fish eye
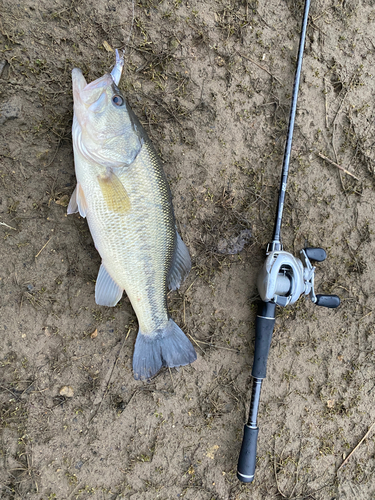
(118, 100)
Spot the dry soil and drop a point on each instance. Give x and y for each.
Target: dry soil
(211, 81)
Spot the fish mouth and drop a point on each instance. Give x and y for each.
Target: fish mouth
(92, 92)
(95, 90)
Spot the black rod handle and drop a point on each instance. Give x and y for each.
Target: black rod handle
(248, 454)
(264, 326)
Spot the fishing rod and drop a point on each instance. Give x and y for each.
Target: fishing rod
(281, 281)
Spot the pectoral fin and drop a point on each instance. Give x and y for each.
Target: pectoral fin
(114, 193)
(107, 292)
(78, 202)
(181, 264)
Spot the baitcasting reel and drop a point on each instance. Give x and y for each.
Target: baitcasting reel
(284, 278)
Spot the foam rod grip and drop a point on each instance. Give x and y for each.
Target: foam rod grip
(248, 455)
(264, 326)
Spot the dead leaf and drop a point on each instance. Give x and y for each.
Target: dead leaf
(107, 47)
(63, 201)
(94, 334)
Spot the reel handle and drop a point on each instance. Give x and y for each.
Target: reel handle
(316, 254)
(331, 301)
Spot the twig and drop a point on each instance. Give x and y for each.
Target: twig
(356, 447)
(186, 291)
(321, 15)
(259, 66)
(109, 379)
(365, 316)
(297, 466)
(336, 165)
(343, 99)
(55, 153)
(275, 471)
(213, 345)
(195, 342)
(310, 495)
(131, 26)
(184, 311)
(10, 392)
(170, 373)
(43, 247)
(6, 487)
(325, 101)
(6, 225)
(74, 490)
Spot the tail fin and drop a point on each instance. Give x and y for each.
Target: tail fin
(165, 347)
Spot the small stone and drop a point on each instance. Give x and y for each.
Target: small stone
(219, 61)
(331, 403)
(47, 331)
(10, 110)
(66, 391)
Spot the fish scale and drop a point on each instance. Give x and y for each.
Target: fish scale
(123, 192)
(143, 270)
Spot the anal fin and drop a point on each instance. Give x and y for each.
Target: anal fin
(181, 265)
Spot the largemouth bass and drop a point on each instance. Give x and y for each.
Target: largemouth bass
(123, 192)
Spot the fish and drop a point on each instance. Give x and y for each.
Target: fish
(123, 193)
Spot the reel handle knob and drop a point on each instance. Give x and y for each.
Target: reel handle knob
(316, 254)
(331, 301)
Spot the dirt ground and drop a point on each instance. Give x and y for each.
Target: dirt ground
(211, 82)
